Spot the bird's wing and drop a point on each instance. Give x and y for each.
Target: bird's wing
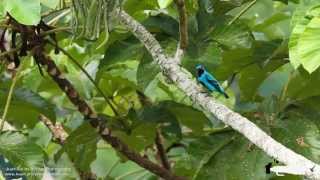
(213, 82)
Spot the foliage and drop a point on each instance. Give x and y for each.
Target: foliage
(267, 59)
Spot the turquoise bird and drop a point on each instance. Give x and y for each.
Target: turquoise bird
(208, 81)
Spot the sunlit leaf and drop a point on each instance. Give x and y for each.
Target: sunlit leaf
(24, 11)
(22, 153)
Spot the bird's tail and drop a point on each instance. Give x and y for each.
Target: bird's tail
(225, 95)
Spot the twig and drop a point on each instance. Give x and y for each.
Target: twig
(58, 132)
(9, 98)
(183, 23)
(55, 30)
(239, 123)
(183, 29)
(161, 150)
(11, 51)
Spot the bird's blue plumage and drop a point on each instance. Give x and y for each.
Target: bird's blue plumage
(208, 81)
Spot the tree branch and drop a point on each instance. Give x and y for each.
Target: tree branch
(37, 46)
(161, 150)
(183, 29)
(185, 82)
(60, 136)
(58, 132)
(95, 121)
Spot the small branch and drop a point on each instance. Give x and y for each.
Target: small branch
(187, 84)
(55, 30)
(161, 150)
(183, 29)
(11, 51)
(9, 98)
(183, 23)
(59, 134)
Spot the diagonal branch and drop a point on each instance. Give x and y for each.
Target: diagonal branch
(186, 83)
(94, 120)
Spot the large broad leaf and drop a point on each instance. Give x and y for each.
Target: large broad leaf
(40, 134)
(207, 54)
(147, 71)
(136, 7)
(140, 137)
(188, 116)
(163, 23)
(160, 115)
(252, 76)
(164, 3)
(122, 51)
(303, 85)
(300, 19)
(309, 46)
(213, 156)
(25, 107)
(24, 11)
(50, 3)
(22, 153)
(300, 134)
(81, 146)
(237, 35)
(109, 166)
(275, 83)
(275, 27)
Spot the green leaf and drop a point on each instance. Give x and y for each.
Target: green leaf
(300, 20)
(109, 166)
(208, 54)
(300, 134)
(22, 153)
(136, 7)
(25, 107)
(50, 3)
(162, 23)
(122, 51)
(40, 134)
(140, 137)
(235, 36)
(303, 85)
(81, 146)
(252, 76)
(147, 71)
(244, 162)
(309, 46)
(275, 27)
(164, 3)
(188, 116)
(160, 115)
(275, 83)
(26, 12)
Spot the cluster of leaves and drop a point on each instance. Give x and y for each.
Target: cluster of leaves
(258, 55)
